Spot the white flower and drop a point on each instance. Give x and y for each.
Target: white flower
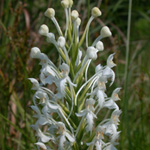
(101, 84)
(105, 32)
(43, 30)
(96, 12)
(41, 119)
(98, 139)
(62, 82)
(111, 145)
(92, 53)
(98, 68)
(109, 73)
(61, 85)
(35, 52)
(50, 13)
(88, 114)
(47, 75)
(64, 133)
(35, 83)
(115, 116)
(110, 62)
(112, 124)
(111, 104)
(44, 138)
(65, 69)
(115, 96)
(42, 96)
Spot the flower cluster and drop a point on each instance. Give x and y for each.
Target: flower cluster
(69, 116)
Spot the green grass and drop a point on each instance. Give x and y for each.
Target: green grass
(19, 23)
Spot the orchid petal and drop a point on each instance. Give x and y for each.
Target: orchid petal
(69, 137)
(41, 145)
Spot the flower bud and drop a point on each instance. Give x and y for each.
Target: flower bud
(70, 3)
(50, 13)
(96, 12)
(92, 53)
(74, 15)
(35, 51)
(61, 41)
(43, 30)
(78, 21)
(50, 37)
(105, 32)
(65, 3)
(100, 46)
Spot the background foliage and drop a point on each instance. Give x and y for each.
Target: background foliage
(19, 24)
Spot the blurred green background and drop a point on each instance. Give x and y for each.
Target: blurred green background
(19, 24)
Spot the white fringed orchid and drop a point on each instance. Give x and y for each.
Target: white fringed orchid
(63, 135)
(88, 114)
(69, 117)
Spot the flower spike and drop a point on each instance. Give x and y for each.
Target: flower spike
(68, 100)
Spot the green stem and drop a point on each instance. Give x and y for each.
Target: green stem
(125, 103)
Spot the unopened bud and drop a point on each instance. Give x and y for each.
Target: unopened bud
(61, 41)
(35, 51)
(78, 21)
(43, 30)
(100, 46)
(65, 3)
(96, 12)
(74, 15)
(70, 3)
(50, 37)
(50, 13)
(105, 32)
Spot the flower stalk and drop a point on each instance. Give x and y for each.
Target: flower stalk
(68, 117)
